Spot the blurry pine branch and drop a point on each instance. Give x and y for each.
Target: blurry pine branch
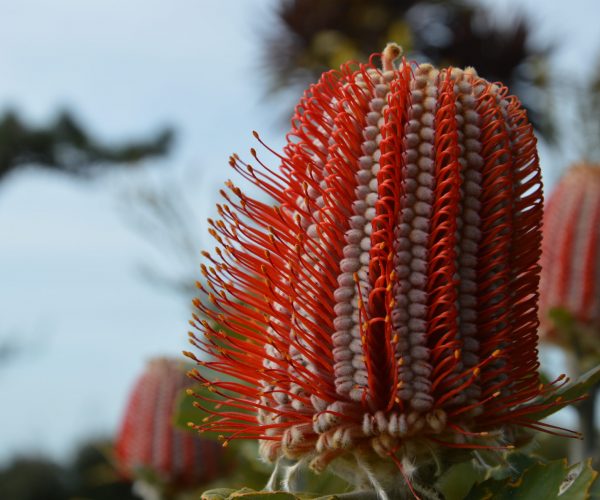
(314, 36)
(64, 145)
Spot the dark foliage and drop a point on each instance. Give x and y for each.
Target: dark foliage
(317, 35)
(33, 479)
(89, 475)
(66, 146)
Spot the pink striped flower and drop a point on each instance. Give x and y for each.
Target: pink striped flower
(382, 308)
(149, 444)
(571, 249)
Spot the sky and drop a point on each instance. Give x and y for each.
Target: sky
(69, 285)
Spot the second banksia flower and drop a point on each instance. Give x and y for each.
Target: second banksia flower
(384, 306)
(571, 258)
(150, 447)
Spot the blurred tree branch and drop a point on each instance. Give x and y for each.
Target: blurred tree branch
(161, 214)
(64, 145)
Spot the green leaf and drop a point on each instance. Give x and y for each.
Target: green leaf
(548, 481)
(456, 482)
(218, 494)
(579, 486)
(249, 494)
(569, 392)
(595, 490)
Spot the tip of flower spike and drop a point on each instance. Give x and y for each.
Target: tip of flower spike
(391, 52)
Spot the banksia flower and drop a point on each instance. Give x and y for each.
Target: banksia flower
(148, 444)
(384, 306)
(571, 250)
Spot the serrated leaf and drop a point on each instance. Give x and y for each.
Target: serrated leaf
(548, 481)
(542, 481)
(218, 494)
(249, 494)
(595, 490)
(579, 487)
(569, 392)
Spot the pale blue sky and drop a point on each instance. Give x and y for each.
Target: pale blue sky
(67, 262)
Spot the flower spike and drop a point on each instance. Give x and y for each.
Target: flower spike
(384, 304)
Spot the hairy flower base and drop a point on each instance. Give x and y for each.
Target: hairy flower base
(379, 433)
(388, 295)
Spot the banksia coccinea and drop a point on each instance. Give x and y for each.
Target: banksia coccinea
(148, 444)
(571, 250)
(385, 306)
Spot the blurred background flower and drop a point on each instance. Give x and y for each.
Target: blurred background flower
(150, 449)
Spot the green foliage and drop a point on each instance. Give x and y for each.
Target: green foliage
(33, 478)
(522, 478)
(313, 36)
(545, 480)
(246, 494)
(88, 475)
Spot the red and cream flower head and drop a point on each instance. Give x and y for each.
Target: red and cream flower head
(148, 444)
(384, 305)
(571, 250)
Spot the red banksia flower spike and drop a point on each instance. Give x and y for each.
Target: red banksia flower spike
(149, 446)
(571, 250)
(382, 309)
